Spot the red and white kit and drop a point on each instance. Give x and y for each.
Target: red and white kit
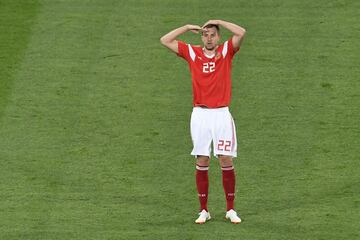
(211, 120)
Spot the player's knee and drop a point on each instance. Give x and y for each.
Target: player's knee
(225, 161)
(203, 160)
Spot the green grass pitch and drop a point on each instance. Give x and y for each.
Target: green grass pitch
(94, 121)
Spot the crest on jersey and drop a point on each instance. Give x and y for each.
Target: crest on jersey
(217, 56)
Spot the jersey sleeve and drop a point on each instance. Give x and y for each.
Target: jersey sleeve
(183, 50)
(231, 48)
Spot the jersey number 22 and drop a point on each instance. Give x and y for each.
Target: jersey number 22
(208, 67)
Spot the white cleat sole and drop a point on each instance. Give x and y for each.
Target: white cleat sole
(202, 222)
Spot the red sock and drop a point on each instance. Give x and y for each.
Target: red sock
(228, 177)
(202, 184)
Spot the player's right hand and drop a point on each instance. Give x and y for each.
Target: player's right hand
(194, 28)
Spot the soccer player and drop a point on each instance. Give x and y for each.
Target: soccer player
(211, 121)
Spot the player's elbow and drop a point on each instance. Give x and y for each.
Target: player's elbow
(163, 40)
(166, 42)
(241, 32)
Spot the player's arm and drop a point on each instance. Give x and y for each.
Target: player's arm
(238, 31)
(169, 39)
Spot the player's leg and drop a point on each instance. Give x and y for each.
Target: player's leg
(228, 178)
(201, 138)
(202, 185)
(202, 180)
(225, 148)
(225, 145)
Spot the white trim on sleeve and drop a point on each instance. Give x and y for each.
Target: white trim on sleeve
(191, 52)
(225, 49)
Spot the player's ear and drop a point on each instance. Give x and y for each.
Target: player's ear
(218, 33)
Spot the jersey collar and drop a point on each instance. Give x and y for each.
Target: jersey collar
(212, 55)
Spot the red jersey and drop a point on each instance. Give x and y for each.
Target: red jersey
(211, 75)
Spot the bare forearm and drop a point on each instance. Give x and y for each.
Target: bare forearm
(171, 36)
(235, 29)
(169, 39)
(238, 31)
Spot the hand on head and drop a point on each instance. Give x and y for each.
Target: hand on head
(194, 28)
(210, 22)
(197, 29)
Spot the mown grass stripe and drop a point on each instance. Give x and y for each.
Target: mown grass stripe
(16, 21)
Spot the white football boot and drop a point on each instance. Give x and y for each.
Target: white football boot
(232, 215)
(203, 217)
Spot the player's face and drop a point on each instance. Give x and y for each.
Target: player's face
(210, 38)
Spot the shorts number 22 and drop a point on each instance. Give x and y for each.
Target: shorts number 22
(224, 145)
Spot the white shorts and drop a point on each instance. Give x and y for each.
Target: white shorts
(214, 125)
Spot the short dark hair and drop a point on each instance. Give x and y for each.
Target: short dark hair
(213, 25)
